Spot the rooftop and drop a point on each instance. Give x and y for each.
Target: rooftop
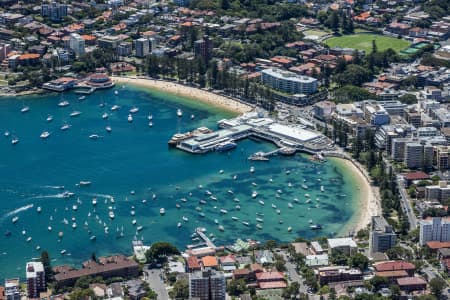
(394, 266)
(342, 242)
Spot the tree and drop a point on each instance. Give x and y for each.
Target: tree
(225, 4)
(271, 244)
(395, 292)
(437, 284)
(358, 260)
(408, 99)
(159, 251)
(235, 287)
(45, 260)
(333, 21)
(378, 282)
(374, 46)
(180, 290)
(82, 294)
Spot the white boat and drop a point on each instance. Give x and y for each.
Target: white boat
(238, 207)
(192, 117)
(216, 221)
(322, 189)
(274, 206)
(39, 209)
(162, 211)
(261, 202)
(65, 127)
(49, 118)
(259, 226)
(74, 225)
(289, 229)
(81, 98)
(105, 116)
(221, 228)
(179, 113)
(278, 211)
(245, 223)
(134, 222)
(139, 228)
(111, 214)
(252, 169)
(92, 238)
(130, 118)
(116, 93)
(259, 220)
(29, 239)
(132, 212)
(45, 134)
(150, 124)
(115, 107)
(213, 198)
(290, 205)
(134, 110)
(94, 136)
(207, 192)
(49, 228)
(74, 207)
(84, 183)
(6, 133)
(236, 200)
(14, 140)
(63, 252)
(254, 194)
(25, 109)
(24, 232)
(224, 211)
(108, 128)
(15, 219)
(254, 184)
(75, 113)
(63, 103)
(185, 219)
(94, 201)
(150, 117)
(178, 224)
(235, 218)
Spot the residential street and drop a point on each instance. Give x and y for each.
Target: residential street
(154, 279)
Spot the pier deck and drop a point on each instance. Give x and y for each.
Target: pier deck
(203, 236)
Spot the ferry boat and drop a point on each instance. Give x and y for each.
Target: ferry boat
(225, 146)
(179, 137)
(287, 151)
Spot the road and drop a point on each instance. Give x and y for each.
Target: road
(154, 277)
(406, 205)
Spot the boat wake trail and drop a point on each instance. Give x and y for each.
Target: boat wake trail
(58, 196)
(105, 196)
(56, 187)
(18, 210)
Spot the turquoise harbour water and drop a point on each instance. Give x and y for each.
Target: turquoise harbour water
(135, 157)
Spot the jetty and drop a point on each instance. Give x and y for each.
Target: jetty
(202, 235)
(288, 138)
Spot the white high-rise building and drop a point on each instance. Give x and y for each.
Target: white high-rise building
(142, 47)
(77, 44)
(435, 229)
(288, 82)
(35, 279)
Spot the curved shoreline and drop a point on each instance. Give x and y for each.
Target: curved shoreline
(193, 93)
(368, 197)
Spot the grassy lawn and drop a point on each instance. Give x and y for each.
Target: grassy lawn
(364, 42)
(319, 33)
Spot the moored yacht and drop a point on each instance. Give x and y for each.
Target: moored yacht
(65, 127)
(25, 109)
(179, 113)
(75, 113)
(105, 116)
(45, 134)
(134, 110)
(63, 103)
(49, 118)
(115, 107)
(14, 140)
(130, 118)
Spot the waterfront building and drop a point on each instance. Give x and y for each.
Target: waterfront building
(106, 267)
(12, 289)
(434, 229)
(35, 275)
(207, 285)
(54, 11)
(60, 84)
(77, 44)
(439, 192)
(288, 82)
(142, 47)
(203, 48)
(346, 246)
(382, 235)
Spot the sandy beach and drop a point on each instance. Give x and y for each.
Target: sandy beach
(369, 200)
(189, 92)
